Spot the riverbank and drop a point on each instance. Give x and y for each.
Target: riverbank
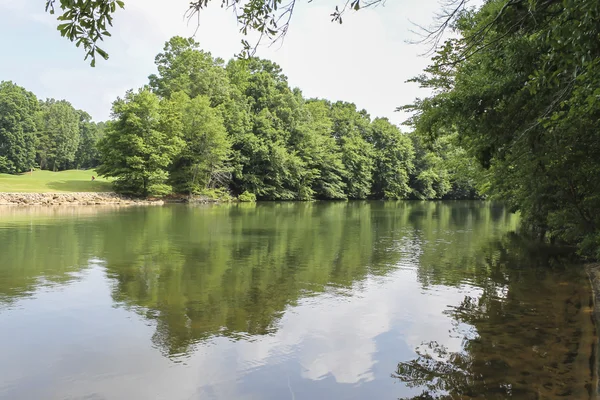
(75, 198)
(593, 271)
(95, 198)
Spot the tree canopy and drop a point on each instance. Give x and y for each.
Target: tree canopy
(519, 89)
(239, 128)
(17, 128)
(58, 134)
(203, 126)
(140, 144)
(46, 134)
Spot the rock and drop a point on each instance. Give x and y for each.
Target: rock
(70, 199)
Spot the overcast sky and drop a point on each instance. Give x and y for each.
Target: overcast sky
(366, 60)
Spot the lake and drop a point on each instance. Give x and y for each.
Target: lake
(338, 300)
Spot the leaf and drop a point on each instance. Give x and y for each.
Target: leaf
(102, 53)
(63, 27)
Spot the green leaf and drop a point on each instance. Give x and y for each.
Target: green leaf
(102, 53)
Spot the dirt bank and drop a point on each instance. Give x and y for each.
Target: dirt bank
(593, 271)
(79, 198)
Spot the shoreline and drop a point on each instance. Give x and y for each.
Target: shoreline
(93, 199)
(72, 199)
(593, 272)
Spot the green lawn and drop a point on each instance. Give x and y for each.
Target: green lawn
(46, 181)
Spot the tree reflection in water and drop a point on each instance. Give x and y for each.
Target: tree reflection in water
(196, 274)
(526, 336)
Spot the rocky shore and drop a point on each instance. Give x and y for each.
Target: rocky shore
(77, 198)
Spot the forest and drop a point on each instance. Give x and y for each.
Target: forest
(45, 134)
(202, 126)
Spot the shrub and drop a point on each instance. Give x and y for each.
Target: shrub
(247, 197)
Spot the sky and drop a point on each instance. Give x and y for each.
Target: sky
(366, 60)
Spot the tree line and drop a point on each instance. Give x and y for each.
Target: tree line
(202, 125)
(205, 127)
(47, 134)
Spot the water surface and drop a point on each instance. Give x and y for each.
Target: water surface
(352, 300)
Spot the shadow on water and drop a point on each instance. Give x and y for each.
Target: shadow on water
(526, 336)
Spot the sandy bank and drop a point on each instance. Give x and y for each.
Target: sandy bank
(79, 198)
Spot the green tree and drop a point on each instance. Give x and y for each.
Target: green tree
(351, 128)
(18, 108)
(203, 162)
(265, 162)
(519, 85)
(322, 155)
(89, 134)
(269, 170)
(467, 179)
(141, 143)
(184, 67)
(393, 160)
(357, 156)
(444, 170)
(58, 134)
(246, 130)
(430, 179)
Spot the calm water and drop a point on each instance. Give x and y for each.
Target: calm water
(297, 301)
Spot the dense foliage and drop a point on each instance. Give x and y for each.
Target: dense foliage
(203, 126)
(44, 134)
(17, 128)
(141, 143)
(519, 88)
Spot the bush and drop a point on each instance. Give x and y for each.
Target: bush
(589, 248)
(220, 194)
(247, 197)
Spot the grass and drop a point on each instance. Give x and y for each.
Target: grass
(47, 181)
